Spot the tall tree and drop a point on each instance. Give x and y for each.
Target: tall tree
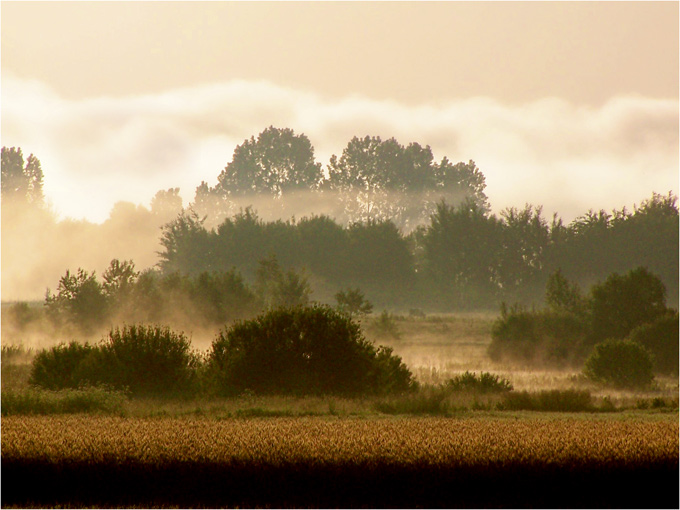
(276, 163)
(462, 250)
(166, 204)
(21, 182)
(382, 179)
(525, 237)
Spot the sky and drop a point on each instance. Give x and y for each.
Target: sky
(569, 105)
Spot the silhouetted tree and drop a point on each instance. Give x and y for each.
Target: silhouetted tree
(525, 237)
(21, 182)
(623, 302)
(166, 204)
(279, 289)
(277, 162)
(561, 295)
(353, 302)
(381, 179)
(462, 253)
(80, 300)
(188, 246)
(119, 279)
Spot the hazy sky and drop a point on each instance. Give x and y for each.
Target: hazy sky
(573, 105)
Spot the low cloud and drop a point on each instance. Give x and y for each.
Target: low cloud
(549, 152)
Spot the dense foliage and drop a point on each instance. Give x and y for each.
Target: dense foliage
(660, 338)
(303, 350)
(628, 306)
(144, 360)
(83, 304)
(60, 367)
(384, 217)
(464, 258)
(140, 359)
(621, 363)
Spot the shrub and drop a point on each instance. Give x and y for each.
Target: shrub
(660, 338)
(59, 367)
(482, 383)
(426, 401)
(620, 363)
(303, 350)
(552, 336)
(549, 400)
(143, 359)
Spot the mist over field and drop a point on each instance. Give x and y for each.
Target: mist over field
(567, 157)
(340, 254)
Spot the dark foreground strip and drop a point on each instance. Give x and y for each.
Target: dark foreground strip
(311, 485)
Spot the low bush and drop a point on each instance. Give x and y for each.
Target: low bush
(86, 400)
(660, 338)
(482, 383)
(145, 360)
(620, 363)
(59, 367)
(303, 350)
(549, 400)
(548, 336)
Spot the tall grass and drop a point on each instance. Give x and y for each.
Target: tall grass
(551, 400)
(41, 402)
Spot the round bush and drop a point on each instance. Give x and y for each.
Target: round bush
(59, 367)
(142, 359)
(303, 350)
(661, 339)
(620, 363)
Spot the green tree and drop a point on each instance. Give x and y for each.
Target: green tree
(119, 279)
(276, 163)
(525, 236)
(623, 302)
(462, 251)
(353, 302)
(187, 245)
(21, 182)
(144, 360)
(279, 289)
(221, 297)
(561, 295)
(378, 179)
(80, 300)
(166, 204)
(660, 338)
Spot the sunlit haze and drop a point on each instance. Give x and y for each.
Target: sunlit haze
(568, 105)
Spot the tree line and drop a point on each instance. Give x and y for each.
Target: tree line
(409, 231)
(465, 258)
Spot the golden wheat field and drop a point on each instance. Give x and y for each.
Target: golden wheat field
(347, 462)
(409, 440)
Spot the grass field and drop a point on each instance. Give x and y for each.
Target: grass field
(95, 449)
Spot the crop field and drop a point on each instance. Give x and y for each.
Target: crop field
(547, 460)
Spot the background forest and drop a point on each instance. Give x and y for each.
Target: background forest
(410, 232)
